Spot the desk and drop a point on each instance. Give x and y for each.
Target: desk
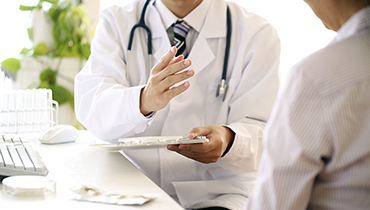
(79, 164)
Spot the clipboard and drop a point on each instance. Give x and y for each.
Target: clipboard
(150, 142)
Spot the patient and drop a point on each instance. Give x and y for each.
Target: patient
(317, 142)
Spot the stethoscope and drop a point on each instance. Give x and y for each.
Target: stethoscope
(222, 87)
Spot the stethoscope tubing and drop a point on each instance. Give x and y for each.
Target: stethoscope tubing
(140, 24)
(228, 41)
(222, 88)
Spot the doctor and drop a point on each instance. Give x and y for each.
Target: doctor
(177, 96)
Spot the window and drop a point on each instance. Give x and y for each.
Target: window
(13, 24)
(13, 27)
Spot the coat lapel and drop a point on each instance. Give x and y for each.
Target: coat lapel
(214, 27)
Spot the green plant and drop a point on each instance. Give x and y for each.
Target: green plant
(70, 34)
(38, 6)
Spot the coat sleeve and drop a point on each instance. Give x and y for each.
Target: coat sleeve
(104, 103)
(251, 103)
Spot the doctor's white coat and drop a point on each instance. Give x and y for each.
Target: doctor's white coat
(109, 108)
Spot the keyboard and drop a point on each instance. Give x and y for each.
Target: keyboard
(17, 157)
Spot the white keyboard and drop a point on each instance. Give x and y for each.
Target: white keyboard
(17, 157)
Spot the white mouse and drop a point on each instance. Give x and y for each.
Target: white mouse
(59, 134)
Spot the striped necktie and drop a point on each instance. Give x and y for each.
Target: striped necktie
(180, 29)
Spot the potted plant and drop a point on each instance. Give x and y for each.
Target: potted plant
(57, 34)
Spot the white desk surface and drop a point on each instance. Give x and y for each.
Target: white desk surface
(77, 163)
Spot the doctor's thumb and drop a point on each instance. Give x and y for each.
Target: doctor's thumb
(201, 131)
(194, 133)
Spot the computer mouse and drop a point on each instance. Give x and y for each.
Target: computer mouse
(59, 134)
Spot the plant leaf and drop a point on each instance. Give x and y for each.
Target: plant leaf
(12, 64)
(26, 51)
(85, 50)
(40, 49)
(52, 1)
(72, 103)
(30, 34)
(44, 84)
(61, 94)
(26, 8)
(54, 13)
(49, 76)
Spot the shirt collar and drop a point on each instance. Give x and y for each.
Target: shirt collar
(195, 18)
(358, 22)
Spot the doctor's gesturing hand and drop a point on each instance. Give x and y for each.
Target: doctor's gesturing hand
(220, 141)
(158, 92)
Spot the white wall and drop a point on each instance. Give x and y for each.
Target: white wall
(300, 31)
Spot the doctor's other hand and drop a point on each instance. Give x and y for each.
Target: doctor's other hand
(220, 138)
(158, 92)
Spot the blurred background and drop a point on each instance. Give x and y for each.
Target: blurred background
(300, 31)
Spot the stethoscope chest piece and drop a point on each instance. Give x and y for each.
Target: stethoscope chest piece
(222, 89)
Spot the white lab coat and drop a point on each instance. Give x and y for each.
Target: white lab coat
(109, 109)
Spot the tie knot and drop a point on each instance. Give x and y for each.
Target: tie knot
(180, 29)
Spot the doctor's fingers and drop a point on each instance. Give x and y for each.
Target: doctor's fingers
(177, 59)
(175, 91)
(171, 80)
(200, 148)
(173, 69)
(164, 61)
(208, 157)
(155, 71)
